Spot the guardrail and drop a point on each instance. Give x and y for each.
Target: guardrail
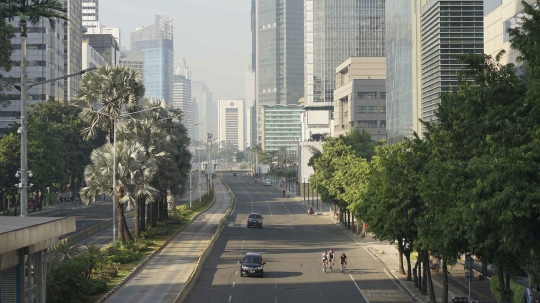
(195, 273)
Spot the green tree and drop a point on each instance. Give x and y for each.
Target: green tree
(6, 33)
(240, 157)
(112, 90)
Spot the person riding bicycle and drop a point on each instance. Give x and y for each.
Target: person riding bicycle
(288, 194)
(324, 260)
(343, 260)
(331, 257)
(311, 211)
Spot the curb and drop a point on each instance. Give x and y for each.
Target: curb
(143, 262)
(195, 273)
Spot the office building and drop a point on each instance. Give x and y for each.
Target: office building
(90, 13)
(448, 28)
(422, 40)
(360, 97)
(281, 128)
(232, 123)
(156, 42)
(508, 14)
(72, 47)
(182, 95)
(335, 31)
(106, 46)
(279, 51)
(202, 96)
(45, 60)
(134, 60)
(90, 57)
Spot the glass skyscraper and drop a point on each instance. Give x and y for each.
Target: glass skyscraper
(156, 42)
(399, 70)
(336, 30)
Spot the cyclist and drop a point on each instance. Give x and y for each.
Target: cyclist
(331, 258)
(324, 260)
(343, 260)
(288, 194)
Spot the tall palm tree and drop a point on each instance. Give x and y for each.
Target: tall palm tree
(104, 95)
(132, 174)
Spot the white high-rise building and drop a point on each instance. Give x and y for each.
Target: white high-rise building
(232, 123)
(182, 94)
(90, 13)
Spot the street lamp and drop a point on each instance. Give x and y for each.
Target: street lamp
(191, 172)
(115, 118)
(23, 88)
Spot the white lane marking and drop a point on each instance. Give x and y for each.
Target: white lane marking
(356, 287)
(243, 241)
(275, 299)
(236, 273)
(230, 298)
(233, 284)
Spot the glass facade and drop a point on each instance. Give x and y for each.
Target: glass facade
(334, 31)
(399, 70)
(156, 42)
(447, 29)
(280, 51)
(281, 127)
(73, 47)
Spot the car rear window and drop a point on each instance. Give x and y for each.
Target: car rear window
(253, 216)
(253, 259)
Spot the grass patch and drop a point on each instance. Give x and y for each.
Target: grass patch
(179, 218)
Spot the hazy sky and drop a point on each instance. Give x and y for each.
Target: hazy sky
(213, 35)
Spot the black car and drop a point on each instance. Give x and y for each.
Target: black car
(255, 219)
(252, 265)
(234, 175)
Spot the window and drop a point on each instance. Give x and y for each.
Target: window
(361, 110)
(373, 109)
(383, 95)
(363, 95)
(367, 124)
(383, 124)
(382, 109)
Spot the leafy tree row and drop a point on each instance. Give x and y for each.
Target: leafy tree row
(470, 186)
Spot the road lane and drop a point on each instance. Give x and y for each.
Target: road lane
(162, 278)
(291, 243)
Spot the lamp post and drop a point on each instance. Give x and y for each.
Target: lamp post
(48, 196)
(23, 88)
(304, 193)
(191, 173)
(116, 118)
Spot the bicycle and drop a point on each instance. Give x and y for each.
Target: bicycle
(343, 266)
(331, 264)
(325, 265)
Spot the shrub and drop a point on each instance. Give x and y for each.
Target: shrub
(106, 269)
(124, 256)
(517, 291)
(97, 286)
(66, 281)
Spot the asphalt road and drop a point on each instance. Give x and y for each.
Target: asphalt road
(162, 278)
(291, 243)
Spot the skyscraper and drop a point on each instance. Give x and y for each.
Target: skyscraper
(90, 13)
(182, 94)
(279, 51)
(72, 46)
(156, 42)
(202, 96)
(335, 31)
(232, 123)
(249, 97)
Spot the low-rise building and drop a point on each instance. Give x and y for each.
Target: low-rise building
(90, 57)
(281, 127)
(360, 96)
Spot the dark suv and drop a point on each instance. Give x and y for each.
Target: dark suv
(255, 219)
(252, 265)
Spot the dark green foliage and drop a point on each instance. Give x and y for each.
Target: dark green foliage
(97, 285)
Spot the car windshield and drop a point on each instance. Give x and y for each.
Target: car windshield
(253, 259)
(254, 216)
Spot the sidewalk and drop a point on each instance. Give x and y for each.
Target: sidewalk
(388, 254)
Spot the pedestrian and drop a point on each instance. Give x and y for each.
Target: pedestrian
(39, 203)
(32, 204)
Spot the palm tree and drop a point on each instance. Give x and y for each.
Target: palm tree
(112, 90)
(132, 174)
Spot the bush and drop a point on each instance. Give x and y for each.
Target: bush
(124, 256)
(153, 232)
(517, 291)
(97, 286)
(66, 281)
(106, 269)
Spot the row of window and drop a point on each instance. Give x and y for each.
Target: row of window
(371, 109)
(371, 95)
(370, 124)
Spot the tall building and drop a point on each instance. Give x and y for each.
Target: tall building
(182, 95)
(447, 30)
(360, 97)
(135, 60)
(156, 42)
(72, 46)
(508, 14)
(281, 128)
(232, 123)
(253, 33)
(106, 46)
(90, 13)
(423, 39)
(202, 96)
(45, 60)
(279, 51)
(195, 123)
(249, 97)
